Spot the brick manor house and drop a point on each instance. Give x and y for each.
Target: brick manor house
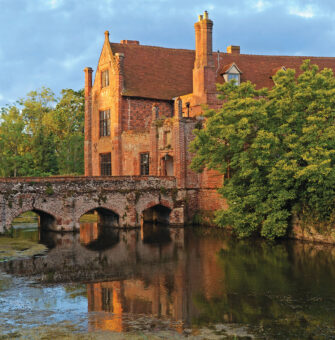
(146, 100)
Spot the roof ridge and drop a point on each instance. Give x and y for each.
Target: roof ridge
(155, 47)
(221, 53)
(275, 55)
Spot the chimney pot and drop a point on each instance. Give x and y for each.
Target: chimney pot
(205, 15)
(200, 17)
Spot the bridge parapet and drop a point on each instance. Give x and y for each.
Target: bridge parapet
(144, 180)
(61, 201)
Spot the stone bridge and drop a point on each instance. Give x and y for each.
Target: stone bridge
(119, 201)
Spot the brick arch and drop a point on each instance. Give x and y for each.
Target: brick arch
(157, 213)
(163, 203)
(94, 206)
(102, 210)
(46, 219)
(67, 198)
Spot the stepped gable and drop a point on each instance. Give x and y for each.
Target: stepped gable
(155, 72)
(260, 68)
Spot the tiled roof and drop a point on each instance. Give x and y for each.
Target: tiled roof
(227, 67)
(165, 73)
(260, 68)
(276, 69)
(156, 72)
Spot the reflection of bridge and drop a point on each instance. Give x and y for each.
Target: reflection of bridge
(84, 256)
(155, 271)
(119, 201)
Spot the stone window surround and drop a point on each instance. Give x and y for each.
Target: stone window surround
(104, 78)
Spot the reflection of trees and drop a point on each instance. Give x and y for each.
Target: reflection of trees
(280, 289)
(29, 232)
(285, 288)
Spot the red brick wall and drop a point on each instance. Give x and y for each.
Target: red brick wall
(210, 199)
(133, 131)
(133, 144)
(192, 178)
(137, 112)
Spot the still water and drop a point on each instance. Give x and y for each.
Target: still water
(159, 283)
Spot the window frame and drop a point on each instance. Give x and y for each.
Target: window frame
(234, 76)
(144, 166)
(233, 73)
(104, 78)
(104, 123)
(105, 165)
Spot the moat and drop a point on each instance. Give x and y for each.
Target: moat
(159, 282)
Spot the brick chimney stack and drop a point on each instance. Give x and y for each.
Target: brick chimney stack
(204, 69)
(203, 41)
(88, 81)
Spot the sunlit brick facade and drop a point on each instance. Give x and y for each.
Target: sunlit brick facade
(149, 100)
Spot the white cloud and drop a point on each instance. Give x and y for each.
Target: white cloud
(43, 5)
(70, 62)
(261, 5)
(53, 4)
(306, 12)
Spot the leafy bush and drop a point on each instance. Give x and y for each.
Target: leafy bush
(276, 149)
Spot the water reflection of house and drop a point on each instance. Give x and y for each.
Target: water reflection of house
(168, 293)
(88, 232)
(135, 296)
(105, 297)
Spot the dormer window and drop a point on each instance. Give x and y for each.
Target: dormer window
(232, 73)
(275, 70)
(233, 76)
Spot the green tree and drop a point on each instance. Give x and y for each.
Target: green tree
(67, 122)
(15, 157)
(37, 108)
(42, 135)
(277, 150)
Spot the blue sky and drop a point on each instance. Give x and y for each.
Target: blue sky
(50, 42)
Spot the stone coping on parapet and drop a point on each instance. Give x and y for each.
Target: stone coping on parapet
(84, 178)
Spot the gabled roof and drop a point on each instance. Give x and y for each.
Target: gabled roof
(165, 73)
(276, 69)
(156, 72)
(260, 68)
(228, 67)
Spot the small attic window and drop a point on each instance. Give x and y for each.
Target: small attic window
(234, 76)
(232, 73)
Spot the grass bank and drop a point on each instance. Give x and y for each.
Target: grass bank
(27, 217)
(13, 248)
